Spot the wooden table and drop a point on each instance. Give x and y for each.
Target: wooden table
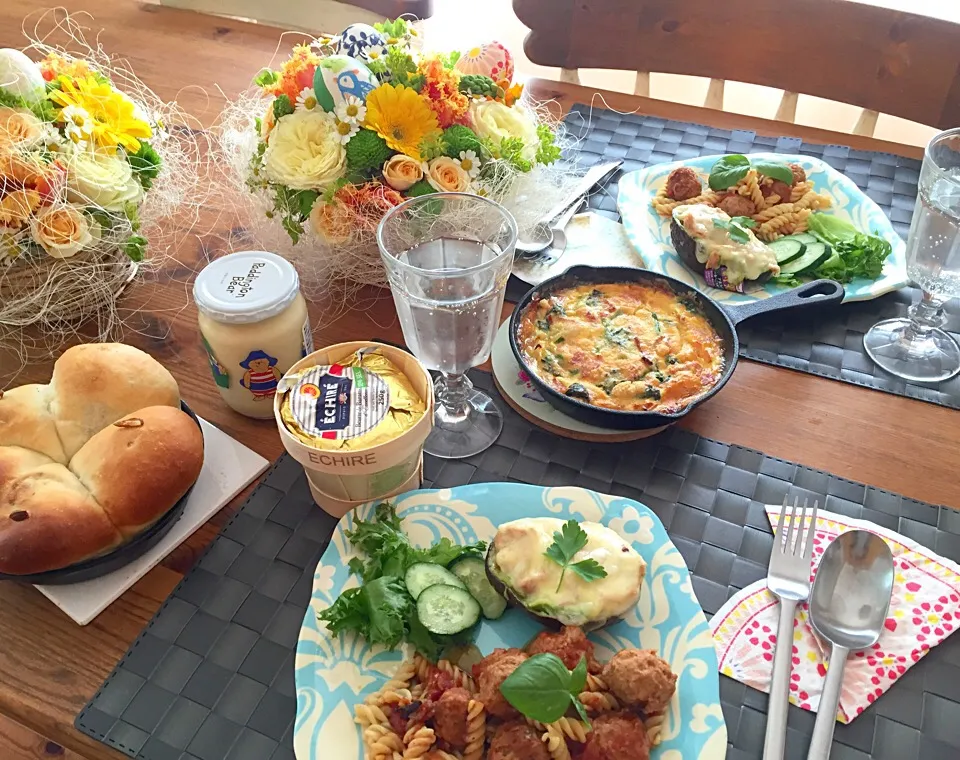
(49, 666)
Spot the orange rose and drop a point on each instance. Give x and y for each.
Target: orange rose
(62, 231)
(446, 175)
(402, 172)
(20, 127)
(333, 222)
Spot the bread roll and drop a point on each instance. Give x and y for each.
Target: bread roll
(96, 384)
(26, 420)
(48, 520)
(138, 467)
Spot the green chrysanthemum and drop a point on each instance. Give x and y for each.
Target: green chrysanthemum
(367, 151)
(459, 138)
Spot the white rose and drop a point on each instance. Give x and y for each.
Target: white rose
(304, 151)
(402, 172)
(447, 176)
(100, 178)
(63, 231)
(496, 121)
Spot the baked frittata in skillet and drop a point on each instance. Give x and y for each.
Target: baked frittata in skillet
(623, 346)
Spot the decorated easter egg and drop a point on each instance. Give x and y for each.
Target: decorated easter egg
(362, 41)
(20, 76)
(491, 59)
(340, 75)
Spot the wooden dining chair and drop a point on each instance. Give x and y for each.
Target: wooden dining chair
(313, 16)
(882, 60)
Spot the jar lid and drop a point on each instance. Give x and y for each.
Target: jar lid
(245, 287)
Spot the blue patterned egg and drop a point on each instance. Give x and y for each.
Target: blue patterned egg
(362, 41)
(340, 75)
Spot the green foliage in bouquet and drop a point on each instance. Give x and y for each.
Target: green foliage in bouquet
(367, 151)
(477, 84)
(420, 188)
(458, 138)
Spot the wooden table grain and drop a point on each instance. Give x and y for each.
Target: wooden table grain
(49, 667)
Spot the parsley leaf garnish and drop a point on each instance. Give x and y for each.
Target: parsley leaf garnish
(738, 228)
(566, 543)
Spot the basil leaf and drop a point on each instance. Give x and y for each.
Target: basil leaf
(728, 171)
(775, 170)
(539, 688)
(578, 678)
(580, 710)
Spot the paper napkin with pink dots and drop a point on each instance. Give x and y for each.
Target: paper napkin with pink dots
(924, 610)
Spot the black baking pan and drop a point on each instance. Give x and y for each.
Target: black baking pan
(116, 558)
(816, 295)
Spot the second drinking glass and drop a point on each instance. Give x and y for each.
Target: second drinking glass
(448, 257)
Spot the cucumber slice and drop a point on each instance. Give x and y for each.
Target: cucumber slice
(787, 249)
(813, 257)
(425, 574)
(446, 610)
(473, 572)
(805, 237)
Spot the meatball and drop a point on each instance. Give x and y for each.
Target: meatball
(450, 717)
(569, 645)
(492, 671)
(683, 184)
(639, 678)
(517, 741)
(737, 205)
(799, 175)
(616, 736)
(778, 188)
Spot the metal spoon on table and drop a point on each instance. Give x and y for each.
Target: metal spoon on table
(848, 605)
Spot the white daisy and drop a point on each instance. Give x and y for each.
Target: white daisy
(375, 52)
(307, 99)
(470, 163)
(351, 110)
(50, 137)
(346, 130)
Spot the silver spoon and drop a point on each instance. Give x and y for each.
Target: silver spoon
(848, 605)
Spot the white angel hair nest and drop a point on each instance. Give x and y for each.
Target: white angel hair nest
(80, 293)
(344, 269)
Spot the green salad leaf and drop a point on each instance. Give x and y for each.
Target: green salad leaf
(855, 253)
(543, 689)
(382, 610)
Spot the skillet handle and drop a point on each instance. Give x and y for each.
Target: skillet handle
(812, 295)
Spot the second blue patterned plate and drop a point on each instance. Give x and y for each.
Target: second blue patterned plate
(334, 675)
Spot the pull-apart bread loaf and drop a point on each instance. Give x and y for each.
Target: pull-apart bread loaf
(92, 459)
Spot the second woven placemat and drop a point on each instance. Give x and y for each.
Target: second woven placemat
(830, 346)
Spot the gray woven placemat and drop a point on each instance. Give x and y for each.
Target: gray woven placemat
(831, 346)
(211, 677)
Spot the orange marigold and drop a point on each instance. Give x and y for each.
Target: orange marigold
(441, 91)
(296, 73)
(56, 65)
(511, 93)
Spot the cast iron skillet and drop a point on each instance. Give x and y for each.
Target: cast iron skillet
(122, 555)
(815, 295)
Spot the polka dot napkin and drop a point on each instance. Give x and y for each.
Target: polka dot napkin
(924, 610)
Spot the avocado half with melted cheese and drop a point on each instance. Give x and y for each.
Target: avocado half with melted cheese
(518, 567)
(701, 237)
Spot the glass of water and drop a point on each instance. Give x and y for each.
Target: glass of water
(916, 348)
(448, 257)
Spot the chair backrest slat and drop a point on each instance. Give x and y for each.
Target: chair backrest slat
(883, 60)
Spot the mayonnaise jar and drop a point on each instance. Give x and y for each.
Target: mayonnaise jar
(254, 326)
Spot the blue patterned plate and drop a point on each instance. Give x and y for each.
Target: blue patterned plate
(334, 675)
(650, 233)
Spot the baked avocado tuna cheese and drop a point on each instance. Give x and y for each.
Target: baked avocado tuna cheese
(564, 573)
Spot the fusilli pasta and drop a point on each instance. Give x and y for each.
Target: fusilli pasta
(599, 701)
(799, 190)
(654, 725)
(574, 730)
(423, 667)
(399, 697)
(382, 742)
(476, 731)
(749, 187)
(418, 740)
(556, 745)
(595, 683)
(664, 206)
(370, 715)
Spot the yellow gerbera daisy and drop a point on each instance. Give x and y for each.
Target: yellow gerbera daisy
(401, 117)
(115, 121)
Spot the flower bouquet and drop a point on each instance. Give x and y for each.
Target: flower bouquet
(84, 182)
(352, 125)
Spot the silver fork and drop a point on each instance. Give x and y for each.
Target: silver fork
(788, 578)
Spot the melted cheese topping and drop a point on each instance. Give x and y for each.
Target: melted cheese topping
(627, 346)
(715, 248)
(534, 577)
